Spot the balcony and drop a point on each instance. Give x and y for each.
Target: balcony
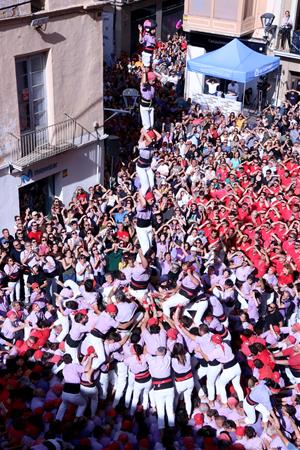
(46, 142)
(229, 18)
(14, 8)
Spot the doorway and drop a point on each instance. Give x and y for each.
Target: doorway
(38, 195)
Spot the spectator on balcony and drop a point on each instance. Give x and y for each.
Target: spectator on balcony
(212, 84)
(233, 88)
(285, 30)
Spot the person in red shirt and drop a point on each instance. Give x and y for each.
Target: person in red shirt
(285, 277)
(292, 362)
(35, 233)
(21, 347)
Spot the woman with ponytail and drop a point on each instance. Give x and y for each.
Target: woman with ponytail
(184, 381)
(138, 365)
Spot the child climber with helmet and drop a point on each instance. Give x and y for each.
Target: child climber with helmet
(147, 37)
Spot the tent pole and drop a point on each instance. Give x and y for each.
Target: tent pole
(243, 104)
(277, 85)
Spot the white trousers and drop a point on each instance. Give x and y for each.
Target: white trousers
(26, 288)
(104, 381)
(212, 375)
(173, 301)
(74, 399)
(146, 59)
(146, 177)
(14, 286)
(64, 322)
(138, 294)
(232, 374)
(185, 388)
(201, 373)
(90, 394)
(147, 116)
(250, 411)
(97, 343)
(144, 236)
(138, 390)
(121, 381)
(129, 389)
(200, 308)
(164, 402)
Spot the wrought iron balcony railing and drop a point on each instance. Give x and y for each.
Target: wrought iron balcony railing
(49, 141)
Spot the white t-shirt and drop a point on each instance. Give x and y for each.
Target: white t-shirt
(212, 87)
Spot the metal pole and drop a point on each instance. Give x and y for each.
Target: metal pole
(277, 85)
(243, 104)
(111, 172)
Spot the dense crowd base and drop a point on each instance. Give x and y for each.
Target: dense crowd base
(163, 312)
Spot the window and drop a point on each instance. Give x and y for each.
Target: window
(248, 9)
(200, 8)
(226, 10)
(31, 92)
(37, 5)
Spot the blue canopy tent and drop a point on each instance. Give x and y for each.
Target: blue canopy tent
(235, 61)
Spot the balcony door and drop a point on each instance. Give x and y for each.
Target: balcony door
(32, 101)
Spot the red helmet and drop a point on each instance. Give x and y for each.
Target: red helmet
(216, 339)
(111, 309)
(151, 76)
(149, 196)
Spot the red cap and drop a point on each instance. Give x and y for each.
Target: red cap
(198, 419)
(38, 355)
(126, 425)
(151, 134)
(276, 329)
(292, 339)
(111, 412)
(296, 327)
(151, 76)
(216, 339)
(172, 333)
(57, 389)
(188, 442)
(224, 437)
(81, 311)
(123, 438)
(276, 376)
(10, 314)
(90, 350)
(38, 411)
(144, 443)
(128, 446)
(111, 308)
(35, 285)
(240, 431)
(152, 321)
(149, 196)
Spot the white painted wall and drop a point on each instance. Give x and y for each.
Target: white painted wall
(81, 165)
(194, 82)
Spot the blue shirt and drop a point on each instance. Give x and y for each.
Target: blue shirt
(119, 217)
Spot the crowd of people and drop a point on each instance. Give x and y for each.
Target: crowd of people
(162, 312)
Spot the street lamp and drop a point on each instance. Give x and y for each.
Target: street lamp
(130, 97)
(267, 24)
